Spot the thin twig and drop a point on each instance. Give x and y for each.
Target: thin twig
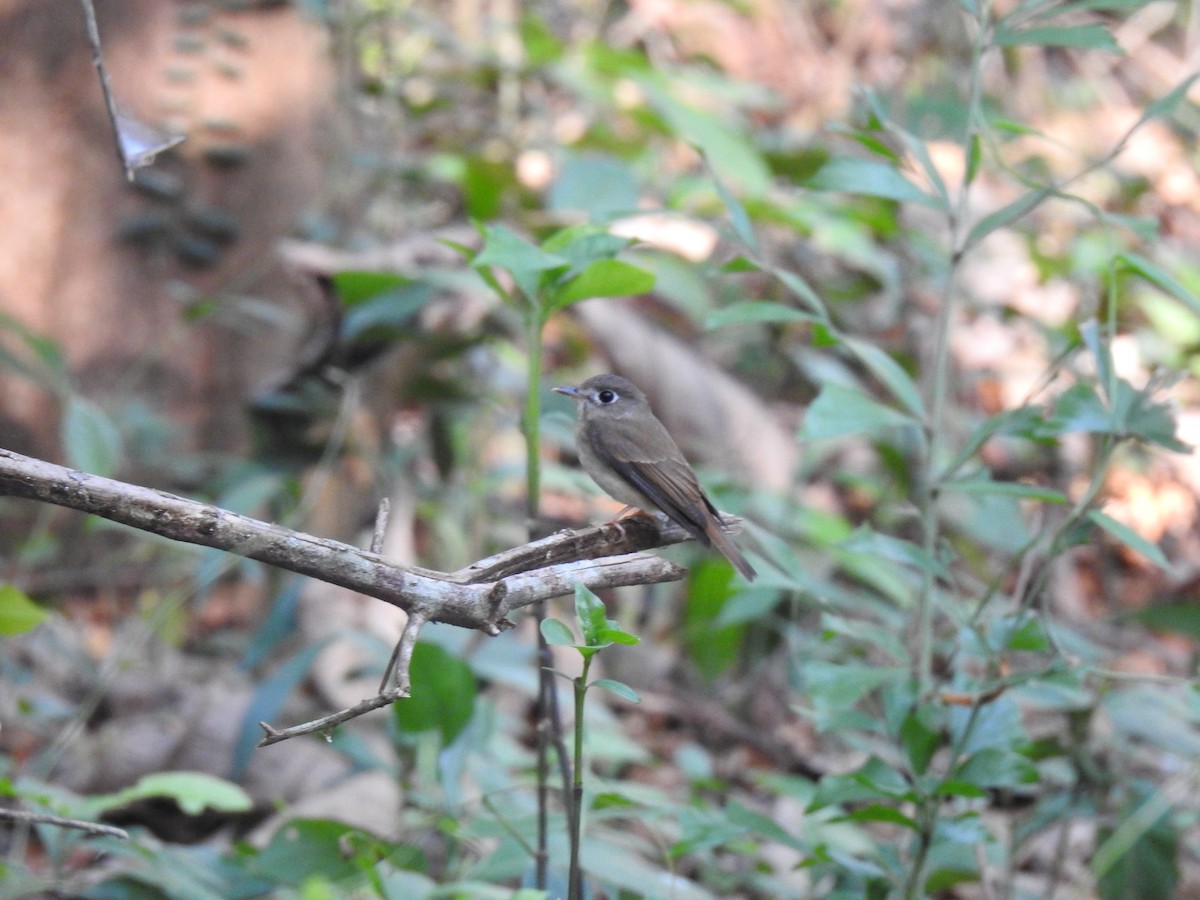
(32, 818)
(381, 524)
(326, 723)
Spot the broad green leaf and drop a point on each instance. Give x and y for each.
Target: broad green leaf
(1006, 215)
(443, 694)
(1092, 36)
(889, 372)
(90, 439)
(920, 741)
(556, 633)
(839, 411)
(1161, 279)
(994, 767)
(611, 635)
(1129, 538)
(504, 249)
(192, 791)
(711, 648)
(388, 314)
(354, 286)
(1180, 618)
(598, 184)
(756, 312)
(877, 812)
(590, 615)
(622, 690)
(1005, 489)
(840, 685)
(603, 278)
(729, 150)
(869, 178)
(18, 614)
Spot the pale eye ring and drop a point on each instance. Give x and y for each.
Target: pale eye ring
(607, 397)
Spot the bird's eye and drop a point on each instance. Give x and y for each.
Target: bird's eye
(606, 396)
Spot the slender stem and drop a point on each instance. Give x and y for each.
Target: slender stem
(929, 491)
(531, 420)
(575, 890)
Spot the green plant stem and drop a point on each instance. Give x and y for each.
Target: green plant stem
(531, 420)
(576, 872)
(930, 485)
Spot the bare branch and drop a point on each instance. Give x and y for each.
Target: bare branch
(326, 723)
(19, 815)
(478, 597)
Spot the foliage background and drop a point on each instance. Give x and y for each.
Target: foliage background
(924, 311)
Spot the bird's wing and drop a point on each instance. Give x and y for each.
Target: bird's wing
(660, 473)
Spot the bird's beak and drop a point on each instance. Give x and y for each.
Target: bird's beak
(571, 392)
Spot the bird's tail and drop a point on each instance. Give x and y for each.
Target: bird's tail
(724, 543)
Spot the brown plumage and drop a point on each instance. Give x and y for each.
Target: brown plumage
(629, 453)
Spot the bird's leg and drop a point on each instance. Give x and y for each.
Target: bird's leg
(626, 513)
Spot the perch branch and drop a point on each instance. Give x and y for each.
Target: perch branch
(479, 597)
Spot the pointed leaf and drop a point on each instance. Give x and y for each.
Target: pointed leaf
(756, 311)
(18, 613)
(839, 411)
(1006, 215)
(1130, 538)
(622, 690)
(890, 372)
(603, 278)
(869, 178)
(556, 633)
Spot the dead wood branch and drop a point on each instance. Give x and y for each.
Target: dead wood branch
(481, 596)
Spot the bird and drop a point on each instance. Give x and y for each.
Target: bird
(630, 454)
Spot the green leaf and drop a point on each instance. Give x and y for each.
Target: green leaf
(839, 411)
(353, 286)
(1006, 215)
(710, 647)
(598, 184)
(612, 635)
(803, 290)
(603, 278)
(920, 741)
(18, 614)
(622, 690)
(974, 155)
(737, 213)
(590, 615)
(1180, 618)
(192, 791)
(388, 314)
(994, 767)
(1016, 489)
(1161, 279)
(1167, 104)
(877, 812)
(504, 249)
(868, 178)
(1129, 538)
(890, 373)
(90, 439)
(1092, 36)
(755, 312)
(556, 633)
(1139, 859)
(443, 694)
